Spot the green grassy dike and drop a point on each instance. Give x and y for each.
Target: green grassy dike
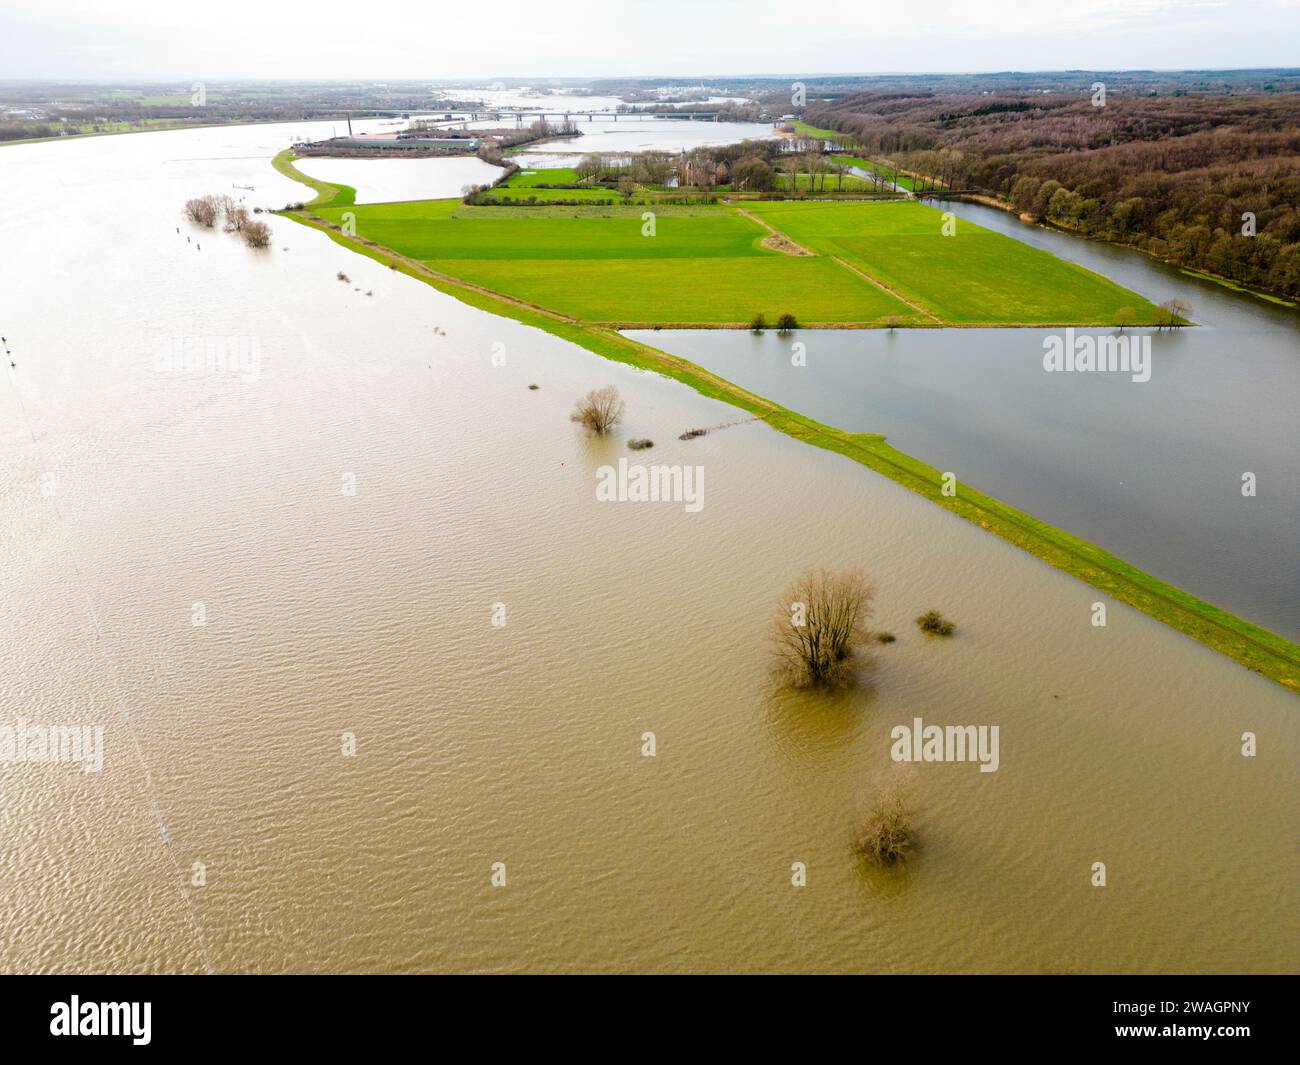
(327, 195)
(1255, 648)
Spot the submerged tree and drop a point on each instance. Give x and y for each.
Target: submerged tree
(599, 410)
(820, 627)
(203, 210)
(1173, 313)
(256, 234)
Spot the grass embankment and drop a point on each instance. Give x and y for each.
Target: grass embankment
(1256, 648)
(327, 195)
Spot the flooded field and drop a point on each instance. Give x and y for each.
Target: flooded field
(1126, 464)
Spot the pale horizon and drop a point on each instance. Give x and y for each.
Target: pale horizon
(148, 40)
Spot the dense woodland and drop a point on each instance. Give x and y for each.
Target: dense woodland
(1176, 175)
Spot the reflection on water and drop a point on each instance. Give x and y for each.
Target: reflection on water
(369, 613)
(835, 723)
(387, 180)
(1151, 471)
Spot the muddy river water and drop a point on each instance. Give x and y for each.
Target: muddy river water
(256, 523)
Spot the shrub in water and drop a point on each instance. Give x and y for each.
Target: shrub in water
(886, 836)
(933, 623)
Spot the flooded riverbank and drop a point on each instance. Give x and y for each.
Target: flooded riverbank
(349, 508)
(1151, 471)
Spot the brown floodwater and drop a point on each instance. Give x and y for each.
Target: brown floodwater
(132, 490)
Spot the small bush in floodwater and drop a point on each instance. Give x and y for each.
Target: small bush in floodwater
(759, 323)
(786, 323)
(934, 623)
(343, 277)
(641, 444)
(885, 637)
(886, 836)
(533, 388)
(256, 234)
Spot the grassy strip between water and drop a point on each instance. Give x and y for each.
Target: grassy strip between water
(327, 195)
(1255, 648)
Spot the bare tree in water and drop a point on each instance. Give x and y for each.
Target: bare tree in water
(599, 410)
(820, 627)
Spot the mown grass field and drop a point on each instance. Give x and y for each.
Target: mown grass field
(437, 230)
(972, 277)
(804, 130)
(685, 291)
(530, 177)
(528, 192)
(708, 265)
(702, 266)
(524, 185)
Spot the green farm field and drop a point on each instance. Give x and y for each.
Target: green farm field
(708, 264)
(971, 277)
(687, 291)
(530, 192)
(529, 177)
(525, 185)
(702, 266)
(442, 229)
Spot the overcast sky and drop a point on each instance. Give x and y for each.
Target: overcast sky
(186, 40)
